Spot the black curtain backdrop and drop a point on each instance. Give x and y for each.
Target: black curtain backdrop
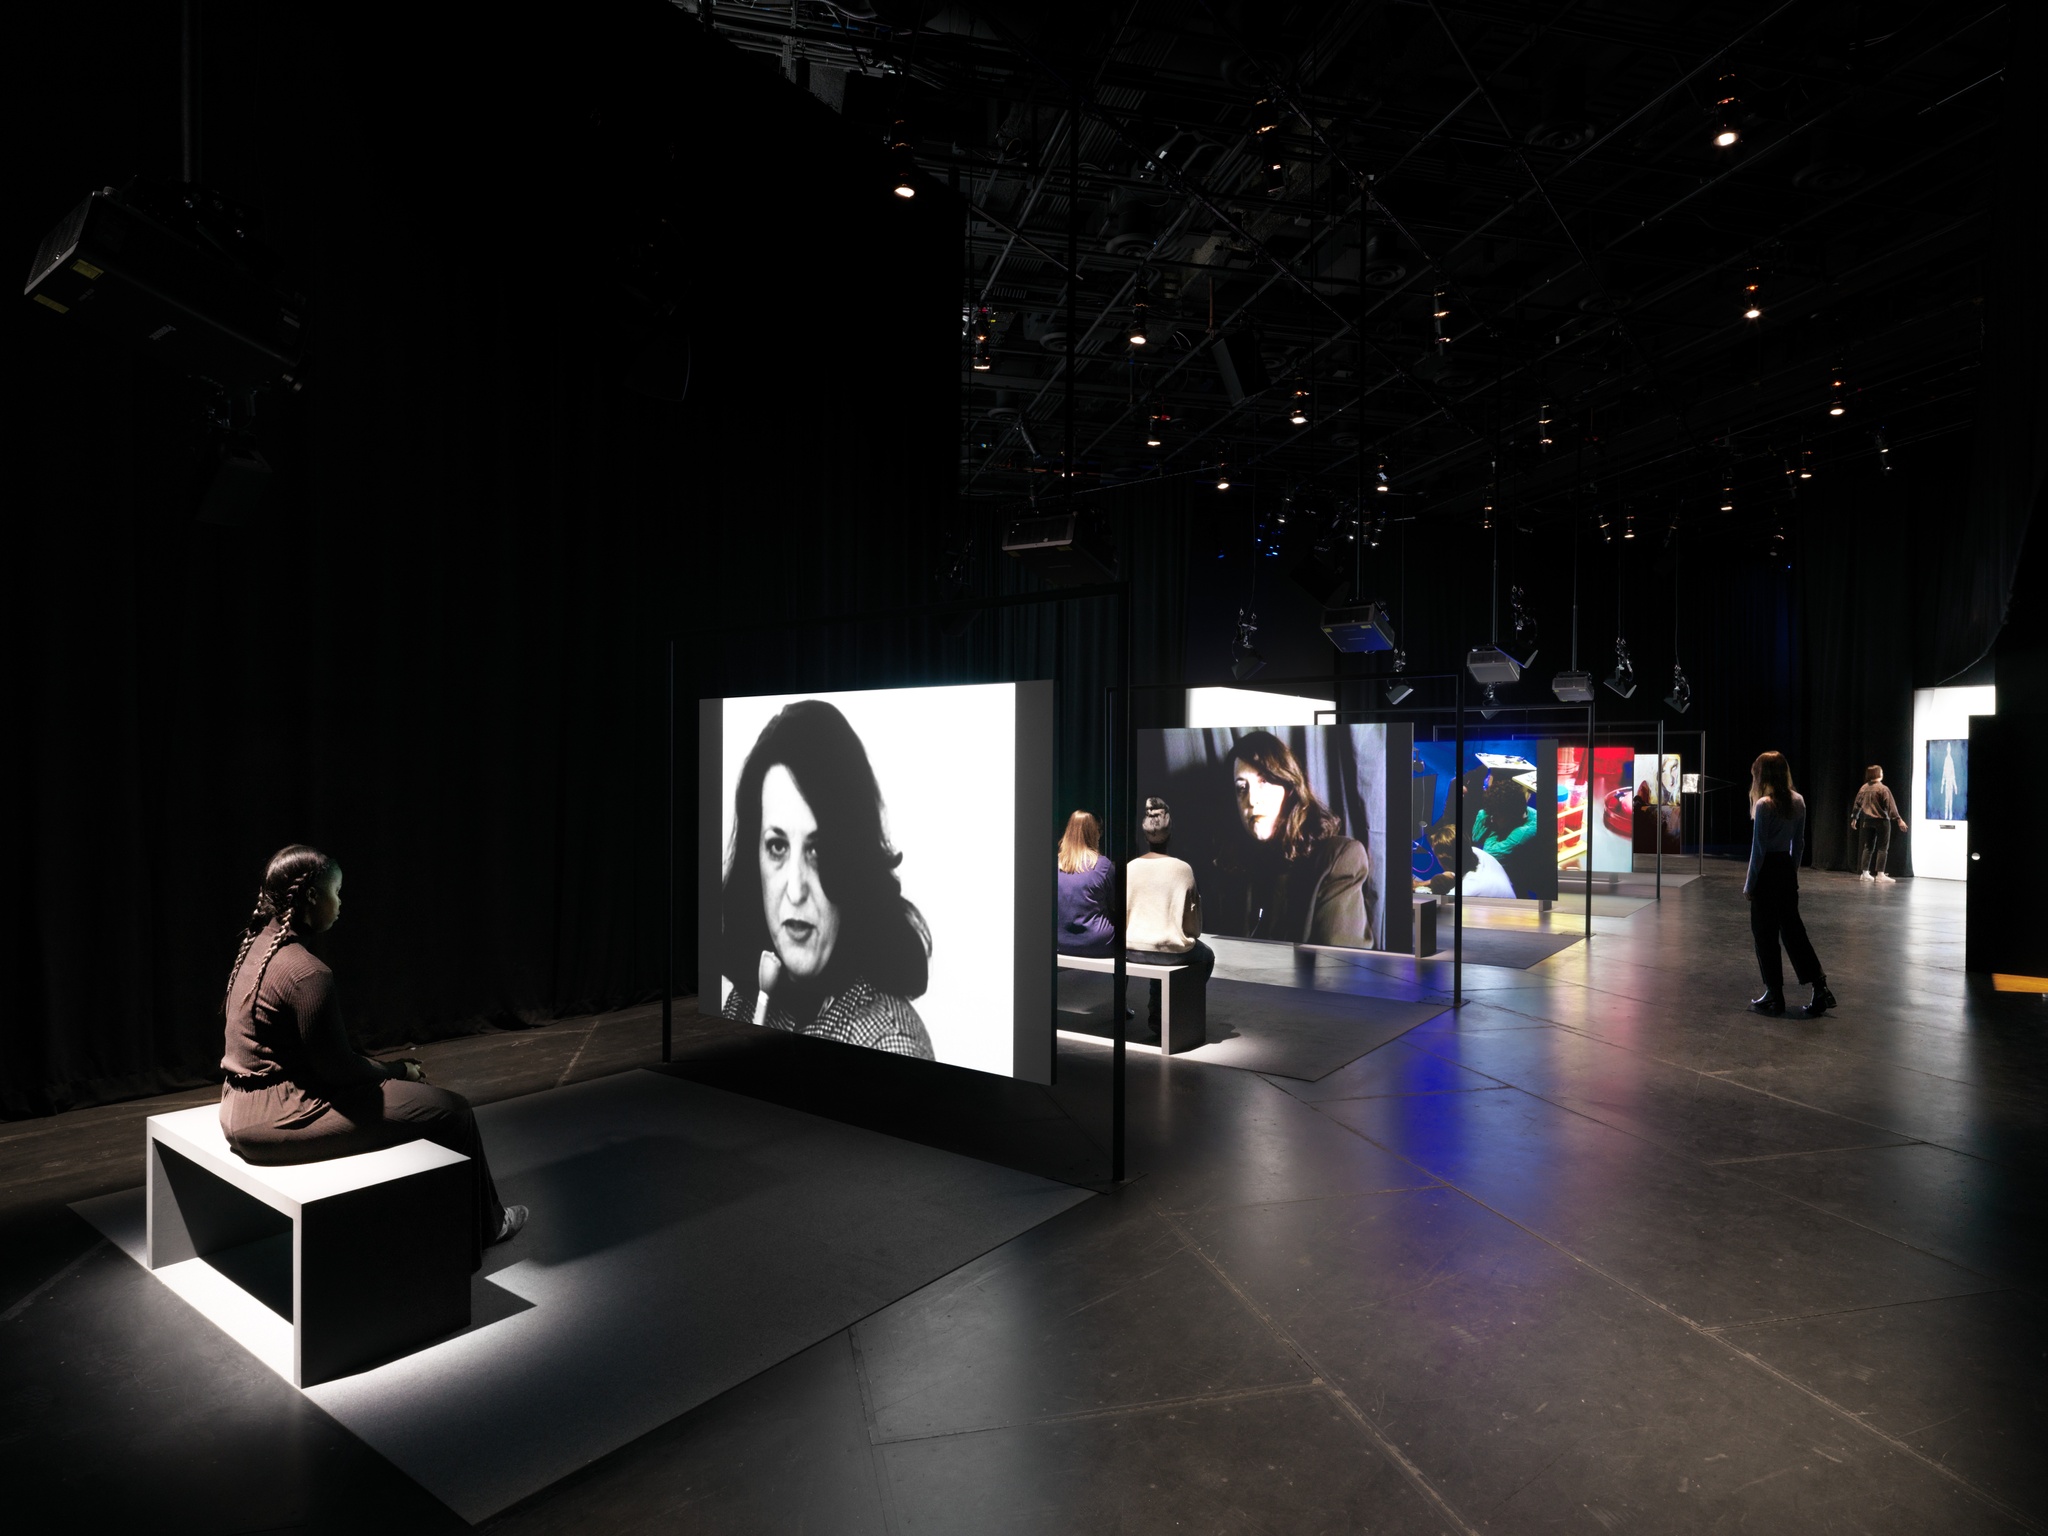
(1965, 577)
(1856, 540)
(439, 652)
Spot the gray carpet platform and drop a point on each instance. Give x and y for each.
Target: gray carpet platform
(1517, 949)
(1285, 1031)
(682, 1241)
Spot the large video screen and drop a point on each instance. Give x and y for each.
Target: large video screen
(1612, 800)
(1287, 828)
(1948, 780)
(1659, 808)
(877, 868)
(1510, 818)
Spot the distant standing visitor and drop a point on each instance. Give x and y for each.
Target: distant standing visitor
(1872, 815)
(1777, 835)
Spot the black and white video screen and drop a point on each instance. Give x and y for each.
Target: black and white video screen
(875, 869)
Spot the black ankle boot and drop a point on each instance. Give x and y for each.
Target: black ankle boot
(1772, 1001)
(1823, 1000)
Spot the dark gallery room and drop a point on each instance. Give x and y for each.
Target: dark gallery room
(708, 705)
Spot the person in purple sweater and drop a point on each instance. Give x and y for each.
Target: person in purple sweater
(1087, 890)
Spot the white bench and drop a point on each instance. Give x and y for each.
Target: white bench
(381, 1242)
(1183, 1001)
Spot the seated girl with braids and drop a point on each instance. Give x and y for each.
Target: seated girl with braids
(295, 1089)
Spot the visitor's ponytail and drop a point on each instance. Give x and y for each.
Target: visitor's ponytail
(285, 897)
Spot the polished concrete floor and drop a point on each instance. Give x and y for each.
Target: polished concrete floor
(1600, 1251)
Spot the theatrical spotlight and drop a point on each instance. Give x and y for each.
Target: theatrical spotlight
(1141, 305)
(1623, 681)
(1490, 706)
(1155, 428)
(1398, 690)
(1680, 696)
(1245, 660)
(1727, 108)
(1276, 178)
(1223, 476)
(1298, 412)
(1573, 687)
(900, 151)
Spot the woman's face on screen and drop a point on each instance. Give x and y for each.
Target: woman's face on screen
(803, 925)
(1260, 800)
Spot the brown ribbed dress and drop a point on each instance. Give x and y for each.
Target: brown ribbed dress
(297, 1091)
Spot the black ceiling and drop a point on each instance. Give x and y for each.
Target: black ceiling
(1550, 169)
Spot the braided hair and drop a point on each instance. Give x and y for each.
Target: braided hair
(285, 897)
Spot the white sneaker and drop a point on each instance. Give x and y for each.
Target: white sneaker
(1864, 876)
(1886, 880)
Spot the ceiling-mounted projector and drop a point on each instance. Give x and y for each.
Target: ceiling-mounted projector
(1491, 664)
(1573, 687)
(1363, 627)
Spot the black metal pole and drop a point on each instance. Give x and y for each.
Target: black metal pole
(1658, 801)
(1073, 282)
(1588, 814)
(188, 91)
(1121, 840)
(668, 986)
(1458, 883)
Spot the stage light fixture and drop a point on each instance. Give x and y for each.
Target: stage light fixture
(1380, 481)
(1298, 412)
(1440, 306)
(1680, 696)
(1623, 680)
(1727, 109)
(1141, 308)
(1269, 115)
(983, 361)
(1806, 463)
(1628, 525)
(1490, 705)
(1543, 437)
(1155, 429)
(1573, 687)
(1222, 477)
(1276, 178)
(1838, 395)
(1398, 690)
(1491, 665)
(1245, 659)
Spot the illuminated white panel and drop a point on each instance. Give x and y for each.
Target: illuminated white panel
(1224, 707)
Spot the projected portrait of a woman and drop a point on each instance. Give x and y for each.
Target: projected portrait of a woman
(817, 936)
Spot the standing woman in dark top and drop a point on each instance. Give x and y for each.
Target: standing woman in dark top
(295, 1089)
(1777, 834)
(1087, 890)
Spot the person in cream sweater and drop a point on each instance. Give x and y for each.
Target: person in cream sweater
(1162, 908)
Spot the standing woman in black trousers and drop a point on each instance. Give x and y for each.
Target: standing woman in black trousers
(1777, 837)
